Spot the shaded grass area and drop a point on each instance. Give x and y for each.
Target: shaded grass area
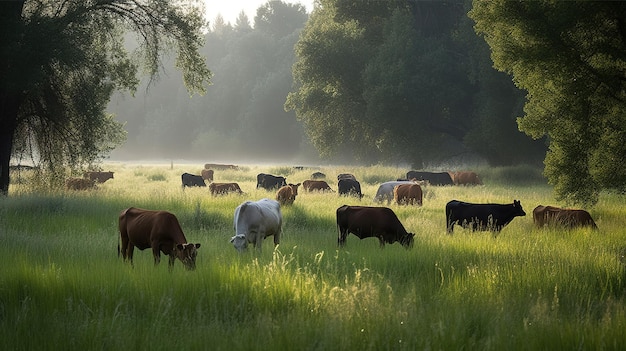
(62, 285)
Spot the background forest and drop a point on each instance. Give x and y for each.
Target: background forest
(410, 87)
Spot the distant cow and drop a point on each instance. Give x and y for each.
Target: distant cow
(562, 217)
(224, 188)
(349, 187)
(410, 194)
(318, 175)
(286, 195)
(434, 178)
(255, 221)
(491, 217)
(316, 185)
(385, 190)
(192, 180)
(466, 178)
(98, 177)
(374, 222)
(158, 230)
(207, 174)
(220, 166)
(79, 184)
(269, 181)
(345, 176)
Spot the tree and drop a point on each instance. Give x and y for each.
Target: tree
(377, 78)
(570, 57)
(61, 61)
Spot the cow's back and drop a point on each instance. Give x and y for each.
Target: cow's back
(407, 193)
(250, 216)
(466, 178)
(363, 218)
(143, 226)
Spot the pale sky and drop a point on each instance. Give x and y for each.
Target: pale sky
(229, 9)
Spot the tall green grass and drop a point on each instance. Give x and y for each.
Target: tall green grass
(63, 286)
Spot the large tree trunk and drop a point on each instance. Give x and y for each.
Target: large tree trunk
(10, 94)
(9, 106)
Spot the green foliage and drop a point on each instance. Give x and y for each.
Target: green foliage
(67, 61)
(383, 81)
(64, 287)
(566, 56)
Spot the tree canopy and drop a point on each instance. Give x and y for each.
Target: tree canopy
(402, 81)
(570, 57)
(61, 61)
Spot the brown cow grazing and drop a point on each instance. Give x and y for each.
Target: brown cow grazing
(207, 174)
(466, 178)
(286, 195)
(316, 185)
(562, 217)
(377, 222)
(79, 184)
(407, 194)
(158, 230)
(98, 177)
(224, 188)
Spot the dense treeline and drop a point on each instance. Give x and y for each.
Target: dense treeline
(389, 82)
(241, 116)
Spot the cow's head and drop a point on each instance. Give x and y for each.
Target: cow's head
(240, 242)
(294, 189)
(519, 211)
(187, 253)
(407, 240)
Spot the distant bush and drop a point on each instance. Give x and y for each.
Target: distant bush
(157, 177)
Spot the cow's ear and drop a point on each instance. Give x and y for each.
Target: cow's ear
(197, 246)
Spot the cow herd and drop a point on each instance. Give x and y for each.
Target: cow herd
(256, 220)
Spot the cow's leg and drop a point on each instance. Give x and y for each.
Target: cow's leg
(156, 252)
(381, 239)
(170, 263)
(450, 225)
(260, 235)
(125, 246)
(129, 252)
(277, 238)
(343, 233)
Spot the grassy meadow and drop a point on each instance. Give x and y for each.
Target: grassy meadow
(63, 286)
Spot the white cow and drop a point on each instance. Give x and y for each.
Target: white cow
(256, 220)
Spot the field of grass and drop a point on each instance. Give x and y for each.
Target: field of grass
(63, 286)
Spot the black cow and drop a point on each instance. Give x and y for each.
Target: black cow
(434, 178)
(270, 182)
(372, 222)
(349, 187)
(318, 175)
(491, 217)
(192, 180)
(345, 176)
